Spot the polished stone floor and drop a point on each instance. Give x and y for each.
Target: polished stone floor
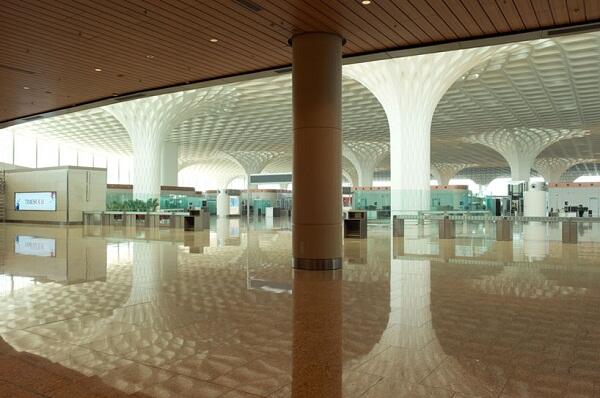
(108, 312)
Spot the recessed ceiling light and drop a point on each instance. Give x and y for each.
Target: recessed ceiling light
(149, 56)
(98, 69)
(214, 40)
(365, 2)
(25, 88)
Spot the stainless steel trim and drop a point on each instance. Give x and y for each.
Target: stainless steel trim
(328, 275)
(317, 264)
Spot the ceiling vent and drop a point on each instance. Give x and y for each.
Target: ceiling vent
(34, 117)
(249, 5)
(592, 27)
(12, 68)
(129, 97)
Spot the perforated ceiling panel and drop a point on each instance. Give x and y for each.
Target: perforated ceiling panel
(550, 83)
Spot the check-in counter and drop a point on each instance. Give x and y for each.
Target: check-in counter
(504, 230)
(271, 212)
(447, 228)
(143, 219)
(93, 217)
(355, 225)
(137, 219)
(569, 231)
(177, 220)
(153, 220)
(397, 227)
(113, 218)
(197, 220)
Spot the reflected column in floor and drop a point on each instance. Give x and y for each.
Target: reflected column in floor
(397, 247)
(146, 273)
(447, 249)
(317, 339)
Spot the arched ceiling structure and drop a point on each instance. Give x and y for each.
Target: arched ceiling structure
(548, 83)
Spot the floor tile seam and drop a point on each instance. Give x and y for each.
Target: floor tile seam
(113, 353)
(61, 320)
(394, 364)
(99, 352)
(54, 339)
(49, 323)
(159, 366)
(63, 341)
(446, 359)
(277, 390)
(259, 354)
(368, 359)
(245, 365)
(175, 375)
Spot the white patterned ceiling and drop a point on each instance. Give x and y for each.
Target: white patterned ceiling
(549, 83)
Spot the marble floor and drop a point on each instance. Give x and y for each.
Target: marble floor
(110, 312)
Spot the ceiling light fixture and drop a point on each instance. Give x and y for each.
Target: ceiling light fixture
(365, 2)
(149, 56)
(25, 88)
(98, 69)
(214, 40)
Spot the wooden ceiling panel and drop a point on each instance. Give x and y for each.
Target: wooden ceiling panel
(398, 22)
(447, 15)
(576, 11)
(560, 12)
(527, 14)
(479, 15)
(592, 9)
(511, 15)
(49, 50)
(461, 12)
(543, 13)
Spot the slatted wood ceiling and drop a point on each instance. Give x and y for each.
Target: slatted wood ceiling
(53, 47)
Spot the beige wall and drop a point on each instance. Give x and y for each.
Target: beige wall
(87, 192)
(83, 194)
(32, 181)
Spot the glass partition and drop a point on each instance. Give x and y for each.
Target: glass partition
(174, 202)
(380, 203)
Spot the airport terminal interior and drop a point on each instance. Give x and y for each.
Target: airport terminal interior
(264, 198)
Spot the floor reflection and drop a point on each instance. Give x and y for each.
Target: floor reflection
(317, 334)
(221, 313)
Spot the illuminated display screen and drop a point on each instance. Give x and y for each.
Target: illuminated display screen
(35, 201)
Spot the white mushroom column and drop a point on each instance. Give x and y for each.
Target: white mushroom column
(148, 121)
(485, 175)
(317, 151)
(444, 172)
(252, 162)
(520, 146)
(409, 90)
(553, 168)
(169, 164)
(365, 156)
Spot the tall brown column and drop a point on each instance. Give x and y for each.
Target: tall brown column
(317, 169)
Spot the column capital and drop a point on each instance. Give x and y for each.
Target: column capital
(291, 39)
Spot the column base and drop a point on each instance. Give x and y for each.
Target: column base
(317, 264)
